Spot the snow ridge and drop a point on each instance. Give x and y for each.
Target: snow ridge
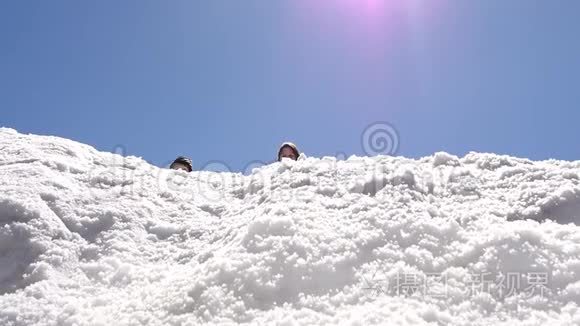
(93, 238)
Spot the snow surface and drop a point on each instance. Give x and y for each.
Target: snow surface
(92, 238)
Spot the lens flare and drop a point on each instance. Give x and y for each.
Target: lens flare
(375, 13)
(368, 7)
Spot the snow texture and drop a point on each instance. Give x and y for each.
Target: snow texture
(93, 238)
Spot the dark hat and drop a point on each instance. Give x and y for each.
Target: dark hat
(183, 160)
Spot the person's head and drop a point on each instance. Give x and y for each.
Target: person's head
(182, 163)
(288, 150)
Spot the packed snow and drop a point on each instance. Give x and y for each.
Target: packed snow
(94, 238)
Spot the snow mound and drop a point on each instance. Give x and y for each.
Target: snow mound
(92, 238)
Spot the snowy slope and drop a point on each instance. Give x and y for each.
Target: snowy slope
(91, 238)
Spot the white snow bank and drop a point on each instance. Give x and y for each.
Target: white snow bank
(91, 238)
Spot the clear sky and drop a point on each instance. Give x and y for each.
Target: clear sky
(230, 80)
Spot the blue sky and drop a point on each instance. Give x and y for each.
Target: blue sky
(230, 80)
